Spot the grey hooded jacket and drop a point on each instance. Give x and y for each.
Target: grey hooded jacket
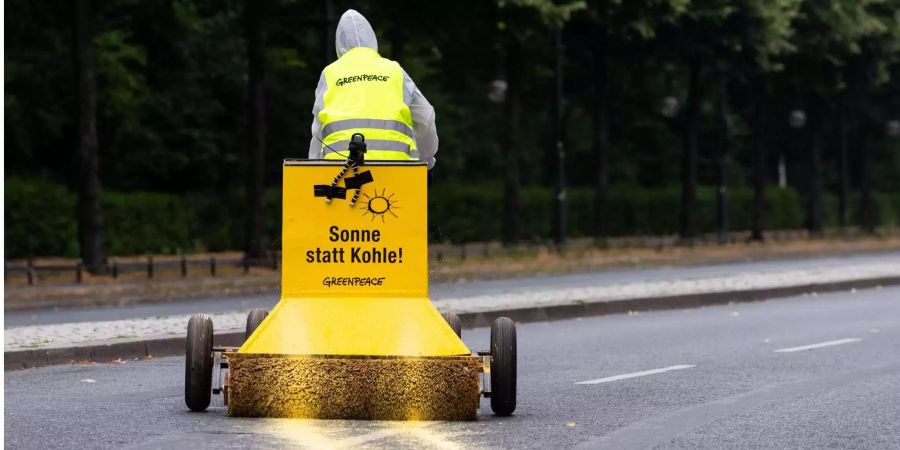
(353, 30)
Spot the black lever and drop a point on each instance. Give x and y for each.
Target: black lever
(354, 160)
(358, 148)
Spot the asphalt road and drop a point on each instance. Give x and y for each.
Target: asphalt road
(445, 290)
(729, 377)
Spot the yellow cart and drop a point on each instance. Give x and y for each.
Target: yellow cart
(354, 335)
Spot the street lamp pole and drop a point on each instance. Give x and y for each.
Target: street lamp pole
(560, 226)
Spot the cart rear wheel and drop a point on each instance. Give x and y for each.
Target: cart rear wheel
(255, 318)
(198, 363)
(454, 322)
(503, 366)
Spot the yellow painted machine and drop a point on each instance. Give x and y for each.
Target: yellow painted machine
(354, 335)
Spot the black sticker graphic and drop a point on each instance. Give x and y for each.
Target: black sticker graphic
(359, 180)
(324, 190)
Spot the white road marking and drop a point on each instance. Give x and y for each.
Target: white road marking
(637, 374)
(819, 345)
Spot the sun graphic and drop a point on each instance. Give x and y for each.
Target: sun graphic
(379, 204)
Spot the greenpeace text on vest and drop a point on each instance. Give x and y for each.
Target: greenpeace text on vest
(355, 78)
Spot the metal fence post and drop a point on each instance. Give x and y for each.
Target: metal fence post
(115, 269)
(29, 272)
(79, 266)
(212, 267)
(183, 266)
(150, 267)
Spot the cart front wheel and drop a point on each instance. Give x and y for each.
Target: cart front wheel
(454, 322)
(503, 366)
(198, 363)
(253, 320)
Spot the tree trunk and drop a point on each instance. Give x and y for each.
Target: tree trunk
(859, 68)
(255, 238)
(397, 40)
(689, 155)
(814, 214)
(843, 199)
(722, 163)
(90, 220)
(867, 213)
(559, 234)
(815, 129)
(601, 133)
(757, 218)
(511, 157)
(329, 53)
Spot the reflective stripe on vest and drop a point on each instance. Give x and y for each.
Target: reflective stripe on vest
(365, 95)
(350, 124)
(376, 149)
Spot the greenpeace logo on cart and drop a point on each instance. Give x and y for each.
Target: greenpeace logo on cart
(352, 281)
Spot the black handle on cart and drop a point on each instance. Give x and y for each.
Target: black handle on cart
(356, 158)
(358, 148)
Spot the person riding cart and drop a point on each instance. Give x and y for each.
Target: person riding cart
(364, 93)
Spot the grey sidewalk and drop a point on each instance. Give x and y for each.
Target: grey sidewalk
(536, 298)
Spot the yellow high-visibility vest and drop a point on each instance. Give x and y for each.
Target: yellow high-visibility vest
(365, 95)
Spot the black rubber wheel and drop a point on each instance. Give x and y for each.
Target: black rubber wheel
(198, 363)
(255, 318)
(454, 322)
(503, 366)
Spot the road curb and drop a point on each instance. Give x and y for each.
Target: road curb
(110, 351)
(159, 346)
(588, 309)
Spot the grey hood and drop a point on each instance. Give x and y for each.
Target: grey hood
(353, 30)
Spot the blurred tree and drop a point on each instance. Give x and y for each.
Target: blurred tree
(174, 104)
(745, 37)
(512, 55)
(90, 218)
(526, 20)
(255, 241)
(845, 50)
(615, 24)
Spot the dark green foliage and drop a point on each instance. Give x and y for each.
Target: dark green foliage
(145, 222)
(40, 219)
(172, 91)
(462, 213)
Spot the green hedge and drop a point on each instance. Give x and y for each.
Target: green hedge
(473, 212)
(39, 219)
(144, 222)
(40, 216)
